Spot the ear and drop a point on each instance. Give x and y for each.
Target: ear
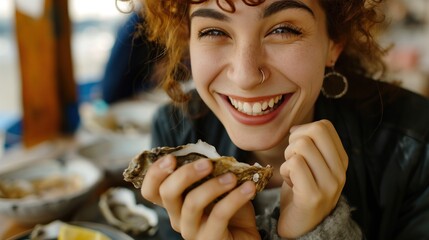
(334, 51)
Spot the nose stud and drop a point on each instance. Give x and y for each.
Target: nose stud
(262, 77)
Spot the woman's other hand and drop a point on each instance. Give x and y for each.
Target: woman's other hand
(314, 175)
(197, 215)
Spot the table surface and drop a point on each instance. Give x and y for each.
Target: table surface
(9, 228)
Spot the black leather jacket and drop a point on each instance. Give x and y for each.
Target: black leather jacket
(384, 130)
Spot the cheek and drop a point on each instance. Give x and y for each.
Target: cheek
(304, 67)
(204, 72)
(202, 67)
(207, 64)
(311, 76)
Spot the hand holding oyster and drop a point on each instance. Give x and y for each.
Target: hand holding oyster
(184, 154)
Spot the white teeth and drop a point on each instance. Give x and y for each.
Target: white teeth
(246, 107)
(255, 108)
(271, 103)
(264, 106)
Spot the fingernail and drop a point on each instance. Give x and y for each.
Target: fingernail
(165, 163)
(246, 188)
(226, 178)
(202, 165)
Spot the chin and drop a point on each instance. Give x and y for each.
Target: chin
(255, 141)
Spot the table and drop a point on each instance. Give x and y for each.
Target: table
(9, 228)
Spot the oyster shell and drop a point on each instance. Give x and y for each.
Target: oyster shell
(137, 168)
(119, 208)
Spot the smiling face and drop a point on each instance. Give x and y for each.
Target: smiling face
(286, 39)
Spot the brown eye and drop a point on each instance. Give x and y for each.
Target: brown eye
(211, 32)
(287, 31)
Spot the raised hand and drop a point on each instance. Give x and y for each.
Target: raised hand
(314, 175)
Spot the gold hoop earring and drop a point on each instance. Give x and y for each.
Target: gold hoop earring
(331, 82)
(262, 77)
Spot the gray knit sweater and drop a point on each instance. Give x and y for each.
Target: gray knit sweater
(338, 225)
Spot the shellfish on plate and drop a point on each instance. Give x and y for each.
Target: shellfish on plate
(184, 154)
(118, 206)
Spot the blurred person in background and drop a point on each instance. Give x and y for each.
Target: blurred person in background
(130, 68)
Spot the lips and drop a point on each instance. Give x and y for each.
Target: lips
(256, 108)
(256, 111)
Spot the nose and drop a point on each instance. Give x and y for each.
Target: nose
(245, 63)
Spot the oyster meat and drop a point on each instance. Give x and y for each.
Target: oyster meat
(118, 206)
(184, 154)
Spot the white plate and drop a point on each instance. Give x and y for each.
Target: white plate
(34, 210)
(114, 154)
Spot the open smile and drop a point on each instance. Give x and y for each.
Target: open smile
(257, 108)
(256, 111)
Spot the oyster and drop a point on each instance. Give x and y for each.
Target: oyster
(137, 168)
(119, 208)
(46, 231)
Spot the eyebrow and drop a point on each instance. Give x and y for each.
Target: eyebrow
(210, 13)
(286, 4)
(270, 10)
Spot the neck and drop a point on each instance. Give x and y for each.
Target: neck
(275, 158)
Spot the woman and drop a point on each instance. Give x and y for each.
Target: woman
(288, 83)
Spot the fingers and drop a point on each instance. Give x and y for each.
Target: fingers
(314, 173)
(155, 175)
(165, 188)
(319, 148)
(296, 170)
(172, 189)
(323, 137)
(306, 149)
(199, 198)
(336, 141)
(229, 212)
(191, 214)
(217, 219)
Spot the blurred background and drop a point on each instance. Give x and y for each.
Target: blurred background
(407, 34)
(94, 28)
(94, 25)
